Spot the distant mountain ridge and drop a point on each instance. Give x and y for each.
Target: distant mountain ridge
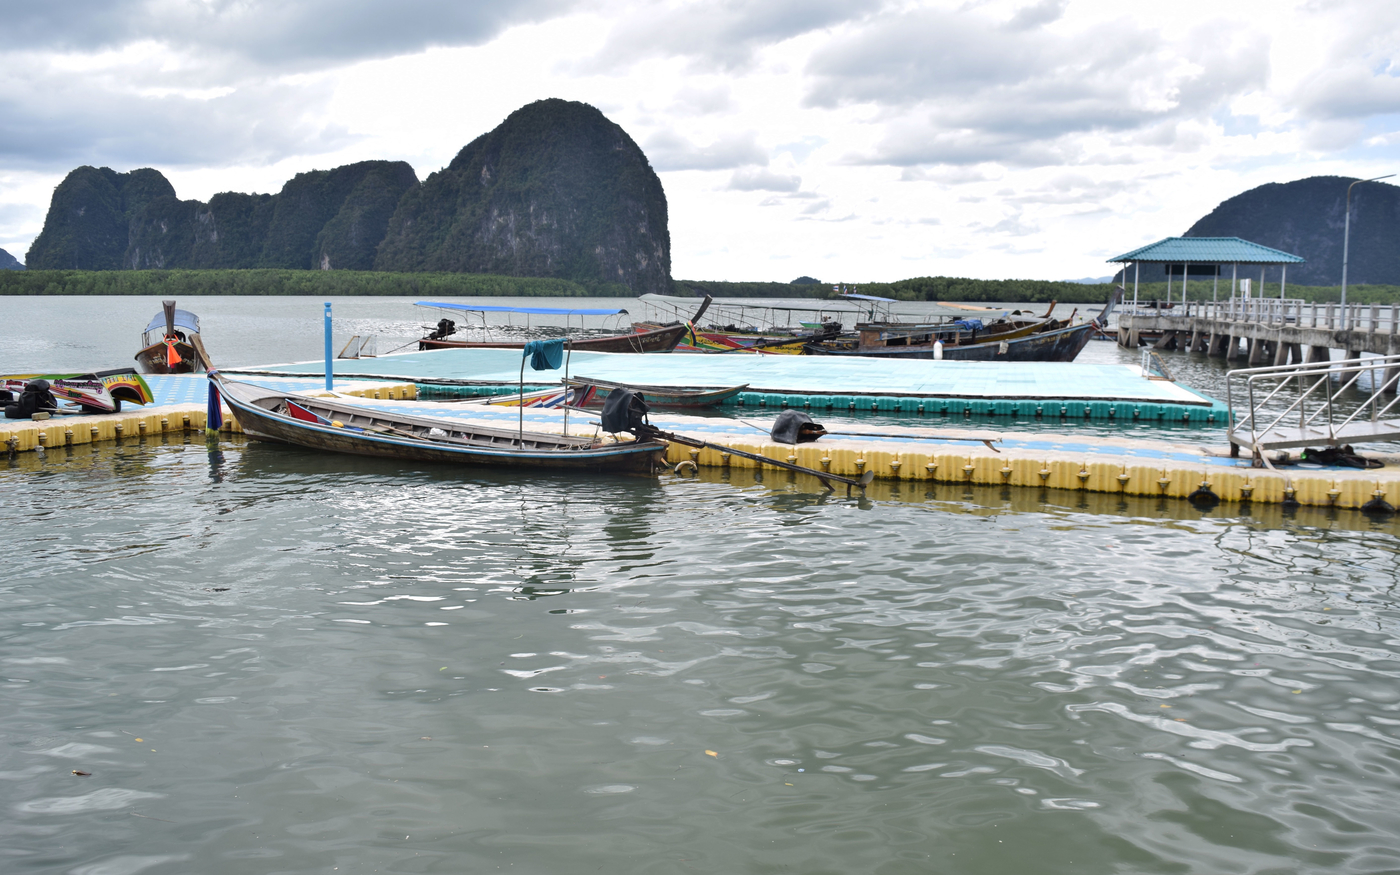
(556, 190)
(9, 262)
(1308, 218)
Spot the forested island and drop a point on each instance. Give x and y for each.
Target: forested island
(555, 191)
(558, 200)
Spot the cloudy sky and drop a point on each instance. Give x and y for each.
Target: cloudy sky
(851, 140)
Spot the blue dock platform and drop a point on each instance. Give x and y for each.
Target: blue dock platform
(1060, 389)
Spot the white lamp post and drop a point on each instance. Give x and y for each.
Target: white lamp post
(1346, 242)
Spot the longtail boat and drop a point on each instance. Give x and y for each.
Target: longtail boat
(171, 343)
(643, 338)
(101, 392)
(335, 425)
(1048, 340)
(585, 392)
(750, 326)
(1061, 344)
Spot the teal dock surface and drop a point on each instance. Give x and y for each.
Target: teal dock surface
(1088, 391)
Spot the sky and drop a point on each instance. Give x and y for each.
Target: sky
(848, 140)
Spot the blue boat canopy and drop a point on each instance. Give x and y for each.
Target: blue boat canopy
(852, 297)
(534, 311)
(183, 319)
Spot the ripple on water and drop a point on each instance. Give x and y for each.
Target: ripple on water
(1019, 685)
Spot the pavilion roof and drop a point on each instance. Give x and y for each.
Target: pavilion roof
(1208, 250)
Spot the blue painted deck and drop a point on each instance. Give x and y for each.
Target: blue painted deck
(784, 375)
(183, 389)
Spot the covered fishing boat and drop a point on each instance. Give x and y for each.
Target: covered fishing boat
(171, 343)
(1015, 337)
(1060, 344)
(650, 338)
(913, 339)
(335, 425)
(778, 328)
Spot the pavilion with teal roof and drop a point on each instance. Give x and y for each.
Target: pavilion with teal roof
(1206, 256)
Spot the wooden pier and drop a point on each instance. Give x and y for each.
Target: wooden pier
(1268, 331)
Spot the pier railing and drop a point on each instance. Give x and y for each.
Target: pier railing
(1297, 405)
(1370, 318)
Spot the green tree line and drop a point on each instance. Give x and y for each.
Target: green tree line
(320, 283)
(337, 283)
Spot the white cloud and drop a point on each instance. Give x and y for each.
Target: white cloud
(723, 35)
(670, 151)
(1040, 136)
(282, 34)
(763, 180)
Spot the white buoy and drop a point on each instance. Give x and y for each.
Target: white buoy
(938, 349)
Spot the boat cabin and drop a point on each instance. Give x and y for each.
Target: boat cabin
(186, 324)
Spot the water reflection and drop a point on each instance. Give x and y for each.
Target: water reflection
(340, 662)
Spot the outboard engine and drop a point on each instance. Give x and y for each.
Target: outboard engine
(795, 427)
(36, 398)
(624, 410)
(445, 328)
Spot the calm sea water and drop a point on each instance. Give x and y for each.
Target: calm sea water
(275, 661)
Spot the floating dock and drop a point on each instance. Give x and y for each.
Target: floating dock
(898, 455)
(179, 404)
(1067, 389)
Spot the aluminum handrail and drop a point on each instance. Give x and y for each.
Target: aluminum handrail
(1292, 376)
(1365, 318)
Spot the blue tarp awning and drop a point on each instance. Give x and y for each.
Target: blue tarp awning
(183, 319)
(852, 297)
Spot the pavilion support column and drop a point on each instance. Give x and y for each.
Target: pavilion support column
(1319, 355)
(1295, 353)
(1280, 353)
(1232, 349)
(1256, 352)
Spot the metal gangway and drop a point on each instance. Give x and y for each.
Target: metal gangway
(1298, 405)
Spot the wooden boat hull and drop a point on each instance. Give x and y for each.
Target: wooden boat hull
(254, 407)
(152, 360)
(656, 396)
(1060, 345)
(662, 339)
(878, 337)
(663, 396)
(709, 341)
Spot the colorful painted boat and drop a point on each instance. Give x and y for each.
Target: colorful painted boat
(333, 425)
(101, 392)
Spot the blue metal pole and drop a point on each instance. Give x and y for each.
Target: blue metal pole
(330, 363)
